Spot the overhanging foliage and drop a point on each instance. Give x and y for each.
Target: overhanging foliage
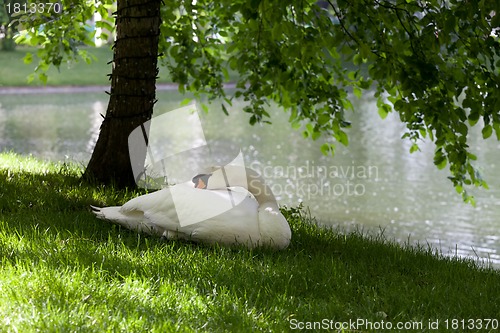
(434, 62)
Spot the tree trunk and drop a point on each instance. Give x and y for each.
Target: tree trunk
(133, 91)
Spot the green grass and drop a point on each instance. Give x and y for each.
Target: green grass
(14, 72)
(62, 270)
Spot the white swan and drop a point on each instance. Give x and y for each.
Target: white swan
(230, 205)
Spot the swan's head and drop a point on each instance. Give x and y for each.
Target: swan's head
(201, 181)
(223, 177)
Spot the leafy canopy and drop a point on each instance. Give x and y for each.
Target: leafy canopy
(434, 62)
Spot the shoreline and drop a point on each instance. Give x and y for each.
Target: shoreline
(23, 90)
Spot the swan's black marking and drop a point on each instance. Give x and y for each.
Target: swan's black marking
(227, 186)
(200, 181)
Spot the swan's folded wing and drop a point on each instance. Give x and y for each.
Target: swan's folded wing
(148, 202)
(197, 205)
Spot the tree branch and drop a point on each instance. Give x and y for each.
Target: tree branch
(342, 23)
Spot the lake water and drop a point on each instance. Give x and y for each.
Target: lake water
(375, 184)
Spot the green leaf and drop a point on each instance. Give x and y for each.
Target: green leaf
(473, 118)
(315, 135)
(225, 73)
(462, 128)
(277, 31)
(327, 148)
(310, 128)
(353, 75)
(365, 84)
(450, 23)
(252, 120)
(487, 131)
(43, 78)
(414, 147)
(323, 119)
(441, 164)
(104, 25)
(357, 92)
(28, 58)
(295, 124)
(496, 127)
(365, 51)
(471, 156)
(30, 78)
(384, 110)
(42, 66)
(357, 60)
(440, 159)
(468, 198)
(342, 137)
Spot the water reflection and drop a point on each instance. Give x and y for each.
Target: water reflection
(95, 117)
(374, 184)
(51, 126)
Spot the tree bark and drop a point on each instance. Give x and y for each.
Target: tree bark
(133, 91)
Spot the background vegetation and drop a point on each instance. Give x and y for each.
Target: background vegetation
(15, 72)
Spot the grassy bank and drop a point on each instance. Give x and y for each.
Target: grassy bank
(63, 270)
(14, 72)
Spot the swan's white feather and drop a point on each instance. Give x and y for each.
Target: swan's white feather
(226, 216)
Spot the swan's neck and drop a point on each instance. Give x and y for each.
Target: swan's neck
(232, 175)
(262, 193)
